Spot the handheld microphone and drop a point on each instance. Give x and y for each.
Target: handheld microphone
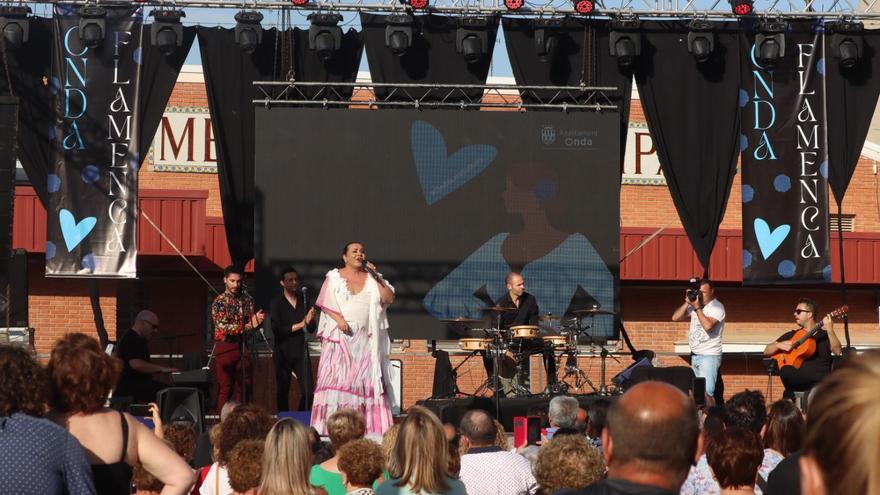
(305, 292)
(370, 270)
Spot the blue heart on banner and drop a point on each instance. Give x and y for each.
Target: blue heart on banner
(769, 241)
(440, 173)
(75, 232)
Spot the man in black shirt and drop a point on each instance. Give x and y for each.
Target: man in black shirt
(651, 440)
(290, 317)
(137, 370)
(817, 366)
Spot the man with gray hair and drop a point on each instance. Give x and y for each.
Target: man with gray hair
(563, 412)
(487, 469)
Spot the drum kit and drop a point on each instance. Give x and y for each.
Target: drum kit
(510, 348)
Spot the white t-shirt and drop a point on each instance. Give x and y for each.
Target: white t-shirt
(216, 482)
(702, 342)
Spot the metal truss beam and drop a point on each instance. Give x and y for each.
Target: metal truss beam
(498, 96)
(717, 9)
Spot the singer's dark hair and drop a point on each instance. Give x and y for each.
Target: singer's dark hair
(229, 270)
(286, 270)
(345, 249)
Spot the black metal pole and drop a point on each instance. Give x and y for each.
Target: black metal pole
(848, 347)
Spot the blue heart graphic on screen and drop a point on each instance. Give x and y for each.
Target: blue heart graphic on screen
(75, 232)
(439, 172)
(769, 241)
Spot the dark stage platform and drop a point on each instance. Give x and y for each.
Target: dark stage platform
(451, 410)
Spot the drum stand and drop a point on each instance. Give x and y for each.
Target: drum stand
(571, 363)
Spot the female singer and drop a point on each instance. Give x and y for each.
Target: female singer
(353, 329)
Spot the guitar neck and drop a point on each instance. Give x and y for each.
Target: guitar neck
(809, 334)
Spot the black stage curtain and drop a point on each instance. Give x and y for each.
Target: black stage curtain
(229, 77)
(693, 115)
(582, 57)
(851, 97)
(432, 58)
(30, 66)
(158, 76)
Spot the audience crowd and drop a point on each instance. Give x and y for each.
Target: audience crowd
(58, 436)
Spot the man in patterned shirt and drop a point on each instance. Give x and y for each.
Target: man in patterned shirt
(233, 315)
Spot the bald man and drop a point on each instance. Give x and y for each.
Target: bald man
(651, 441)
(137, 370)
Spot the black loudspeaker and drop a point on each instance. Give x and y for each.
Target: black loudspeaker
(14, 291)
(679, 376)
(444, 377)
(182, 404)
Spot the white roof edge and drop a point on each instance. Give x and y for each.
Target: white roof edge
(871, 150)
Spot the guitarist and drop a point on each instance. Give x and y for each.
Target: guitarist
(817, 366)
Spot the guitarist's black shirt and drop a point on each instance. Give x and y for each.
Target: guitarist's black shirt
(814, 369)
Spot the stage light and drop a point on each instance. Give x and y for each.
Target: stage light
(13, 19)
(513, 5)
(770, 42)
(847, 43)
(546, 38)
(624, 41)
(742, 7)
(248, 31)
(167, 32)
(299, 3)
(471, 39)
(417, 4)
(584, 7)
(701, 41)
(91, 25)
(325, 36)
(399, 33)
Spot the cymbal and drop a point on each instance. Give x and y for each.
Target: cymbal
(499, 309)
(549, 317)
(591, 312)
(460, 319)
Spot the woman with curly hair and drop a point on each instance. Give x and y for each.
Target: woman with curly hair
(81, 376)
(36, 455)
(287, 460)
(568, 461)
(343, 426)
(361, 463)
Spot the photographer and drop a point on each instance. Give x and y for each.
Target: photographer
(704, 334)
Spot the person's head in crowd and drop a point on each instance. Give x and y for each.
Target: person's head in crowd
(735, 456)
(361, 462)
(245, 422)
(842, 445)
(344, 426)
(451, 431)
(713, 423)
(785, 428)
(477, 429)
(81, 375)
(245, 467)
(420, 457)
(214, 437)
(321, 450)
(389, 440)
(501, 440)
(568, 462)
(563, 432)
(597, 415)
(24, 386)
(227, 408)
(653, 436)
(582, 421)
(182, 437)
(287, 460)
(747, 410)
(563, 412)
(540, 412)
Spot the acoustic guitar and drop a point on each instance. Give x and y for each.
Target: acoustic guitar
(803, 345)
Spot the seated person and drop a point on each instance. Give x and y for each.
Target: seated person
(361, 463)
(735, 456)
(136, 380)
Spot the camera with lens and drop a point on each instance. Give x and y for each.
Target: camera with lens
(693, 293)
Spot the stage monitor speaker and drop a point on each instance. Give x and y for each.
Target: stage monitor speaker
(182, 404)
(14, 291)
(679, 376)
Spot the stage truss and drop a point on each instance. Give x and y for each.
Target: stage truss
(420, 96)
(850, 9)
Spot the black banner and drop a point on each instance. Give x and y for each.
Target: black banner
(94, 159)
(785, 162)
(446, 203)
